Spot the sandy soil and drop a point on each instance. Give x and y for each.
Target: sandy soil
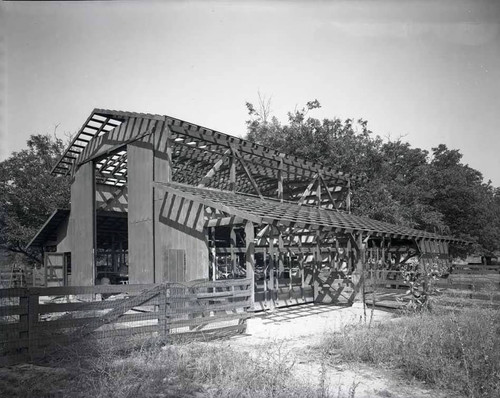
(297, 332)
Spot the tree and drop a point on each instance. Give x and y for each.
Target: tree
(29, 193)
(404, 185)
(468, 205)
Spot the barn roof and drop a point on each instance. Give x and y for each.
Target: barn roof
(194, 150)
(107, 223)
(48, 231)
(264, 210)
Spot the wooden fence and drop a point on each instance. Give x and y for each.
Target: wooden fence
(32, 319)
(389, 289)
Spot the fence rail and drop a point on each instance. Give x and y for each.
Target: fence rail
(388, 288)
(32, 319)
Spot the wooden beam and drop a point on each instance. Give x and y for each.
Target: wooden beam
(216, 167)
(224, 221)
(318, 191)
(208, 135)
(308, 190)
(348, 198)
(280, 181)
(209, 203)
(329, 194)
(232, 241)
(250, 259)
(247, 172)
(232, 174)
(101, 147)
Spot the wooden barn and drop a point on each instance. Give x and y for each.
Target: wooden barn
(155, 199)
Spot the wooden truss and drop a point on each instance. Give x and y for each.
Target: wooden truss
(202, 157)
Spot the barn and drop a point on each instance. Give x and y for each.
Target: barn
(155, 199)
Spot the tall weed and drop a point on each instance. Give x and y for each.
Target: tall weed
(457, 350)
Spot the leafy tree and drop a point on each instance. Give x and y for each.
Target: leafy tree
(29, 193)
(466, 202)
(404, 185)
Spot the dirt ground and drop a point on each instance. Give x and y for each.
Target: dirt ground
(297, 332)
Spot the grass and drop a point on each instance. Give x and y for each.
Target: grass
(457, 349)
(151, 369)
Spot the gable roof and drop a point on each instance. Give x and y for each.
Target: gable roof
(194, 151)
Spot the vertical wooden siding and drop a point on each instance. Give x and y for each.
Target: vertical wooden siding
(140, 214)
(82, 226)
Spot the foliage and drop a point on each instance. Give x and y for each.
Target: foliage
(422, 277)
(404, 185)
(29, 193)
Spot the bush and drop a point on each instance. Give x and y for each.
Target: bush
(457, 350)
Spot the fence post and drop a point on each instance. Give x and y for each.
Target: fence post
(24, 319)
(33, 302)
(162, 313)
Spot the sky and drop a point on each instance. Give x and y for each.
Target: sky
(426, 71)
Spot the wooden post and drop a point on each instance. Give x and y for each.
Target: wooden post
(348, 199)
(250, 259)
(302, 277)
(81, 226)
(382, 249)
(162, 313)
(271, 266)
(213, 252)
(281, 263)
(32, 320)
(24, 320)
(141, 214)
(232, 241)
(361, 259)
(318, 191)
(337, 254)
(280, 181)
(317, 265)
(232, 172)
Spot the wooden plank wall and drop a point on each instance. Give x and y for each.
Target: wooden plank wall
(180, 226)
(140, 214)
(82, 226)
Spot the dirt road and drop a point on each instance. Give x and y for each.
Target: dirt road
(295, 334)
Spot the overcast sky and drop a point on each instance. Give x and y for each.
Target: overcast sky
(425, 70)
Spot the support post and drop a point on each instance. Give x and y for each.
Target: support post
(317, 264)
(32, 320)
(213, 252)
(162, 313)
(272, 251)
(280, 181)
(250, 259)
(348, 199)
(232, 172)
(318, 190)
(82, 226)
(24, 319)
(232, 241)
